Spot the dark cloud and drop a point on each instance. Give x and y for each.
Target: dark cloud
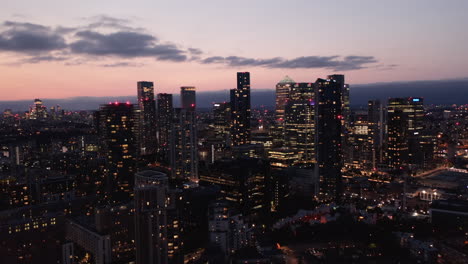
(37, 59)
(194, 51)
(107, 36)
(125, 44)
(332, 62)
(29, 38)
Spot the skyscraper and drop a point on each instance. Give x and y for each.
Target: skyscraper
(183, 145)
(376, 120)
(240, 109)
(299, 121)
(188, 97)
(329, 131)
(405, 128)
(164, 123)
(118, 132)
(283, 89)
(184, 141)
(151, 189)
(147, 105)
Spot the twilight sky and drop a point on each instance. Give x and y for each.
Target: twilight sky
(57, 49)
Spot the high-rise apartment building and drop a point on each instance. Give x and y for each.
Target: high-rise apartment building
(376, 116)
(151, 201)
(118, 131)
(329, 136)
(240, 109)
(147, 106)
(165, 115)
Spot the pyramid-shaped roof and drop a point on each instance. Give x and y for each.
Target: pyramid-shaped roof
(287, 79)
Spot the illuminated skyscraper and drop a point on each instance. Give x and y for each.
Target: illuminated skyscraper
(405, 128)
(299, 121)
(38, 110)
(118, 132)
(188, 97)
(283, 89)
(329, 140)
(240, 109)
(164, 123)
(147, 105)
(151, 234)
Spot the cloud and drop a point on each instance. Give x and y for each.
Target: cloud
(109, 37)
(125, 44)
(194, 51)
(29, 38)
(38, 59)
(122, 64)
(306, 62)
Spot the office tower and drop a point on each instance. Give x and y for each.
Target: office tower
(151, 189)
(359, 151)
(376, 120)
(184, 145)
(164, 123)
(283, 89)
(329, 130)
(222, 120)
(240, 109)
(299, 121)
(118, 132)
(147, 106)
(188, 98)
(405, 128)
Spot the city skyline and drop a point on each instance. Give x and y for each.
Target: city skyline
(49, 54)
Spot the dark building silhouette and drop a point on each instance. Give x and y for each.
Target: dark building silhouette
(151, 189)
(240, 109)
(329, 140)
(164, 122)
(118, 133)
(188, 98)
(147, 106)
(376, 136)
